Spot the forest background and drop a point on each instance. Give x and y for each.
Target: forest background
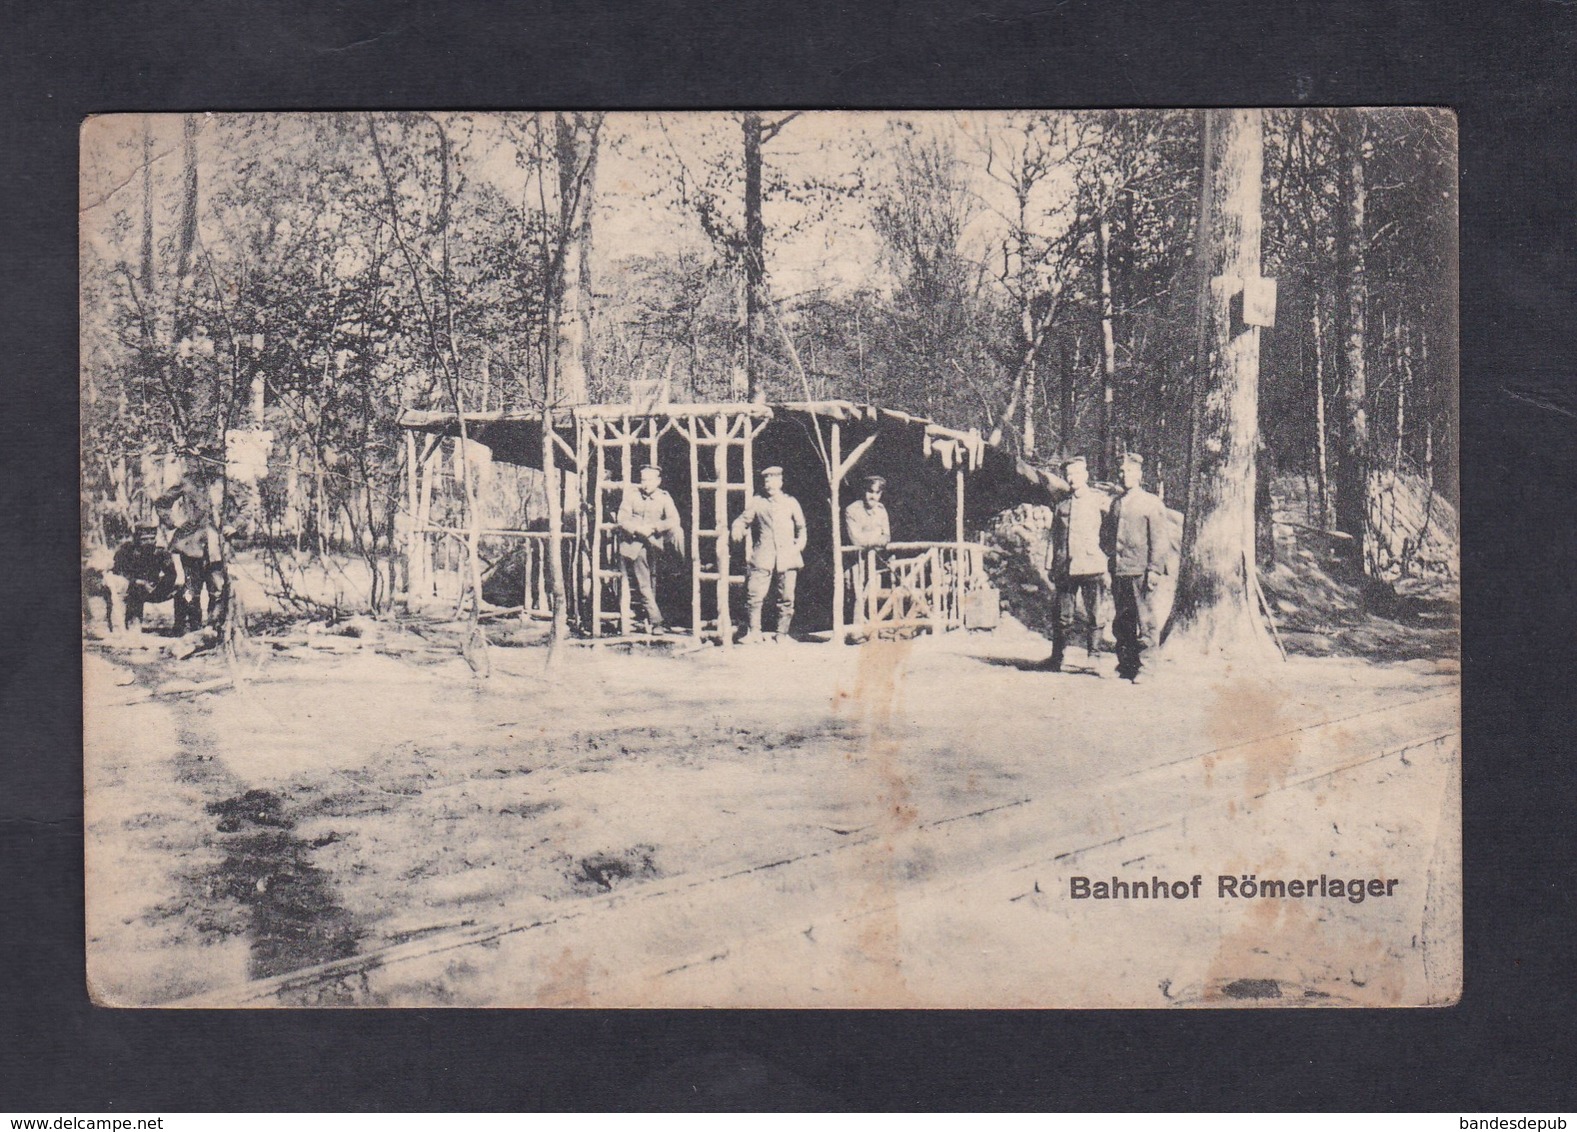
(1033, 275)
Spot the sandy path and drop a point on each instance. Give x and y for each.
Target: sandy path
(387, 804)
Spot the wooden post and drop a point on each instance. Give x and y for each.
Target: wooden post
(872, 590)
(555, 497)
(834, 477)
(725, 568)
(429, 470)
(627, 464)
(692, 436)
(575, 587)
(958, 536)
(938, 617)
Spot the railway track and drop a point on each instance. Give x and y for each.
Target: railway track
(620, 948)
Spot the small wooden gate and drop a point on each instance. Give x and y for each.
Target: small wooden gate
(914, 585)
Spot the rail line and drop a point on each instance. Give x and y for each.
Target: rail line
(1009, 836)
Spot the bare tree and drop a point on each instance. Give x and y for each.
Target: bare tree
(757, 132)
(575, 150)
(575, 145)
(1026, 158)
(1352, 464)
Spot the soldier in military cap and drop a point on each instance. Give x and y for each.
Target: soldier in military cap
(868, 530)
(1137, 539)
(865, 519)
(142, 572)
(1077, 565)
(649, 526)
(778, 524)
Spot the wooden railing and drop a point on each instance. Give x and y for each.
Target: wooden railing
(912, 585)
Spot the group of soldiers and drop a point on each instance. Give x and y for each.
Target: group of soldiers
(1099, 540)
(649, 527)
(176, 557)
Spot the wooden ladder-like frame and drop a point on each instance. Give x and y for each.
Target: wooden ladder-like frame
(600, 436)
(721, 432)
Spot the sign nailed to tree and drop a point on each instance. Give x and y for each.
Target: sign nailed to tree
(1253, 299)
(246, 454)
(1259, 301)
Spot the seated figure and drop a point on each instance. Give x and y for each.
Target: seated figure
(142, 572)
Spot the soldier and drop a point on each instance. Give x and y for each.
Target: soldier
(198, 556)
(649, 522)
(865, 522)
(779, 527)
(865, 519)
(1137, 539)
(142, 572)
(1078, 565)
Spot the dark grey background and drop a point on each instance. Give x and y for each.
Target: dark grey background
(1506, 67)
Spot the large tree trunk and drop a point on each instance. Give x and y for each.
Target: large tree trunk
(1321, 457)
(1215, 610)
(1027, 445)
(1108, 461)
(755, 259)
(576, 154)
(1352, 462)
(187, 235)
(566, 375)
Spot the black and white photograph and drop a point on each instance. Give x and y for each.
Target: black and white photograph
(771, 559)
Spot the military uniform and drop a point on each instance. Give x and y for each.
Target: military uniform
(649, 523)
(778, 524)
(142, 572)
(867, 525)
(868, 529)
(198, 552)
(1078, 570)
(196, 545)
(1137, 539)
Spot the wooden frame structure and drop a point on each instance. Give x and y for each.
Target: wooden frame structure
(710, 454)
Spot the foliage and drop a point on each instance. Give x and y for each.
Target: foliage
(313, 274)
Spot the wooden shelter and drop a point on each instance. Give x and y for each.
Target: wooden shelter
(942, 485)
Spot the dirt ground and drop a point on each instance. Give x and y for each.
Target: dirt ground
(363, 821)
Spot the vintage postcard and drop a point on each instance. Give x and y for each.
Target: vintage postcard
(772, 559)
